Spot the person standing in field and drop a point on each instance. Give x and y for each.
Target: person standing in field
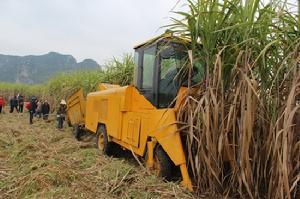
(61, 114)
(39, 109)
(13, 104)
(45, 110)
(32, 108)
(20, 103)
(2, 103)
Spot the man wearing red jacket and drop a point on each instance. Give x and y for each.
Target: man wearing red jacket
(2, 103)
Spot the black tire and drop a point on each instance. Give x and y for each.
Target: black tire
(78, 132)
(108, 148)
(166, 164)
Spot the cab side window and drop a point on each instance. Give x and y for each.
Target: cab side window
(136, 68)
(148, 67)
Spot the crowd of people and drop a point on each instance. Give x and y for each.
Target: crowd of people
(36, 108)
(16, 103)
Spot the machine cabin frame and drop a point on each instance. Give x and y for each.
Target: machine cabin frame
(164, 84)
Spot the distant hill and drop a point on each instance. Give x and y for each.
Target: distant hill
(39, 68)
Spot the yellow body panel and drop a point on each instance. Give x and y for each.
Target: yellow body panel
(131, 120)
(76, 108)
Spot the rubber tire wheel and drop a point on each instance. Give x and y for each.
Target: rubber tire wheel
(166, 164)
(108, 147)
(78, 132)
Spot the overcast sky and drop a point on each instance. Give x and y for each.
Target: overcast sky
(97, 29)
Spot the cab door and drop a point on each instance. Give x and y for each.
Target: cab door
(146, 72)
(146, 79)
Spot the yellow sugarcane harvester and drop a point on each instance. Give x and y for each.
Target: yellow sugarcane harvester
(141, 117)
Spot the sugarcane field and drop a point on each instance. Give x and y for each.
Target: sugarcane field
(150, 99)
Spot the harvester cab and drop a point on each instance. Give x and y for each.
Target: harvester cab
(159, 71)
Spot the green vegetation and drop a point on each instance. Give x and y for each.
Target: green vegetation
(116, 71)
(11, 89)
(248, 111)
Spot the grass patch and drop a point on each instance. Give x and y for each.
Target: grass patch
(38, 161)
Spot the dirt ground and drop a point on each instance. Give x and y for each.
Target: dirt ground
(39, 161)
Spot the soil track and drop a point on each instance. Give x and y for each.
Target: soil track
(38, 161)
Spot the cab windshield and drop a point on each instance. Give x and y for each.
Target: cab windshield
(172, 73)
(161, 70)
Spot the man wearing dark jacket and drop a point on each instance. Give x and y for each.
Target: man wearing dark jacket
(21, 103)
(61, 114)
(45, 110)
(13, 104)
(32, 108)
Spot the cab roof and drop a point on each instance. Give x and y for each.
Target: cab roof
(165, 36)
